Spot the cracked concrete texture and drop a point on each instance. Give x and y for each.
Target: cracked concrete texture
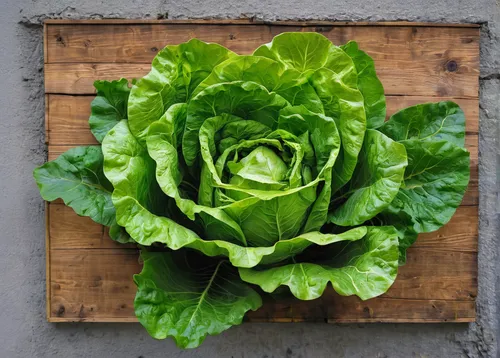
(23, 330)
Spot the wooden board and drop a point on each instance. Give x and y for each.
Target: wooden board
(89, 277)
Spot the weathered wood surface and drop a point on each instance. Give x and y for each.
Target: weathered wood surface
(89, 277)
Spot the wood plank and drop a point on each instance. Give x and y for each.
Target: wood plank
(48, 261)
(71, 231)
(252, 21)
(63, 78)
(459, 234)
(409, 60)
(68, 230)
(69, 115)
(95, 284)
(333, 308)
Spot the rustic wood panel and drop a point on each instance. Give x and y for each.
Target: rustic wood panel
(89, 277)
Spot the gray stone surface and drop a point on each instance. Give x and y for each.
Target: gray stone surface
(23, 330)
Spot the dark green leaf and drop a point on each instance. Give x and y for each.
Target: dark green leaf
(369, 85)
(77, 177)
(181, 298)
(428, 122)
(109, 107)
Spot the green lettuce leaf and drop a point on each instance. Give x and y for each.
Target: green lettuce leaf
(375, 182)
(77, 177)
(175, 73)
(366, 268)
(368, 83)
(403, 223)
(428, 122)
(181, 298)
(247, 100)
(130, 169)
(434, 184)
(332, 74)
(109, 106)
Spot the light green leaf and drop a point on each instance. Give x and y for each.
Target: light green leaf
(109, 106)
(119, 234)
(288, 83)
(428, 122)
(435, 182)
(368, 83)
(247, 100)
(332, 74)
(129, 168)
(346, 106)
(175, 73)
(375, 182)
(76, 177)
(365, 268)
(182, 296)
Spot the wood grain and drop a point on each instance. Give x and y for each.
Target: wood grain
(97, 284)
(70, 231)
(89, 277)
(409, 60)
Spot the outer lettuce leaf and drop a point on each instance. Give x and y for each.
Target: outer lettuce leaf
(119, 234)
(180, 298)
(404, 226)
(435, 182)
(375, 182)
(438, 167)
(369, 85)
(175, 73)
(109, 106)
(130, 169)
(428, 122)
(366, 268)
(77, 177)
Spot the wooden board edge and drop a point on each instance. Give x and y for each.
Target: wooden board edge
(48, 294)
(94, 320)
(275, 320)
(251, 21)
(45, 44)
(46, 124)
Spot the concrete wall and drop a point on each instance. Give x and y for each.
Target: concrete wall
(23, 330)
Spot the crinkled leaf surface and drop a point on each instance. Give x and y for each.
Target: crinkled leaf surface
(247, 100)
(77, 177)
(369, 85)
(109, 106)
(435, 182)
(365, 267)
(179, 297)
(375, 182)
(175, 73)
(428, 122)
(128, 167)
(332, 74)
